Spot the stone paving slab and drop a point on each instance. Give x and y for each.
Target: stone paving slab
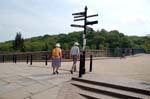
(9, 88)
(3, 83)
(35, 88)
(23, 81)
(50, 93)
(15, 94)
(12, 79)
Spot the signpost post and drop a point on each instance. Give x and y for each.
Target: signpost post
(80, 16)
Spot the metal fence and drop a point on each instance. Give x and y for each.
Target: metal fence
(43, 55)
(117, 52)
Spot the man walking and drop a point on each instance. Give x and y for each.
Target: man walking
(74, 54)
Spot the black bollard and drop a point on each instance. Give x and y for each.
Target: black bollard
(3, 58)
(27, 58)
(15, 58)
(81, 66)
(31, 59)
(46, 60)
(83, 63)
(91, 59)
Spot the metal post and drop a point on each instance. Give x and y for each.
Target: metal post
(91, 59)
(83, 62)
(3, 58)
(46, 60)
(81, 66)
(15, 58)
(27, 58)
(84, 39)
(31, 59)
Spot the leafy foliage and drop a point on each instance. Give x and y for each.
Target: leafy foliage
(18, 43)
(95, 40)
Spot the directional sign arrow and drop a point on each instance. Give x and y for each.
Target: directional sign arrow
(75, 25)
(91, 23)
(92, 15)
(79, 13)
(79, 16)
(78, 19)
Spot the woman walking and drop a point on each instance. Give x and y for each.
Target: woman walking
(56, 58)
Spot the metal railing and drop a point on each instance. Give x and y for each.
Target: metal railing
(42, 56)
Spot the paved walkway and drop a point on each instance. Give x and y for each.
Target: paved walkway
(24, 81)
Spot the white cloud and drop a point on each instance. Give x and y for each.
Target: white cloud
(37, 17)
(131, 19)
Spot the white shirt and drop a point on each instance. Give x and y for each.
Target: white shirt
(75, 50)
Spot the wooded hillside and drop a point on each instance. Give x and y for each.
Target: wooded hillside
(95, 40)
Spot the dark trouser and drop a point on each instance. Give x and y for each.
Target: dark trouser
(74, 57)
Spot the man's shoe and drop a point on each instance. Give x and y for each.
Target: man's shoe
(71, 72)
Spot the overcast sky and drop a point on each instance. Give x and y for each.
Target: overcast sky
(40, 17)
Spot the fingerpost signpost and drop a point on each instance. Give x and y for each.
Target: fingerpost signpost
(82, 16)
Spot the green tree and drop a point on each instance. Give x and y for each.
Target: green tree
(18, 43)
(147, 44)
(98, 41)
(125, 42)
(113, 39)
(45, 47)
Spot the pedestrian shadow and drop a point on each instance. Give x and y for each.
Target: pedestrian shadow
(40, 75)
(51, 74)
(66, 70)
